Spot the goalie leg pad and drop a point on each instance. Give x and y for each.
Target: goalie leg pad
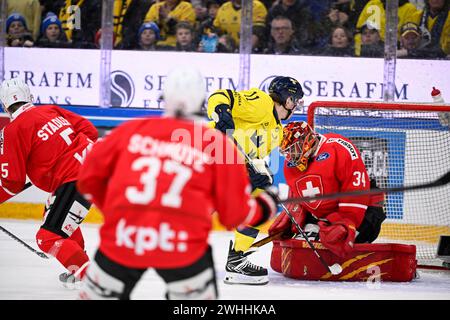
(367, 262)
(108, 280)
(194, 282)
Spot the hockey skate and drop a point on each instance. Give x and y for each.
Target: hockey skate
(69, 280)
(239, 270)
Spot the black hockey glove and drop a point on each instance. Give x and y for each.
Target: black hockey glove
(223, 118)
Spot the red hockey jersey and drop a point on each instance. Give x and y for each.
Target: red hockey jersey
(335, 167)
(46, 143)
(157, 181)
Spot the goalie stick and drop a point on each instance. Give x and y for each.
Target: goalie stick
(441, 181)
(40, 254)
(333, 269)
(267, 239)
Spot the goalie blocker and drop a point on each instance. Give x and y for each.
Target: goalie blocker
(367, 262)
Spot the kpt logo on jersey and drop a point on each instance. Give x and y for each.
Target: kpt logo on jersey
(122, 89)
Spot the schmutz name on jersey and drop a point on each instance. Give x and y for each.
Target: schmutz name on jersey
(142, 239)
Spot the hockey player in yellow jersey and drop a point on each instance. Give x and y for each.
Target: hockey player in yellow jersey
(252, 118)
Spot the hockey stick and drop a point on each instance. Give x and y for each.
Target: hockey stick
(267, 239)
(443, 180)
(40, 254)
(333, 269)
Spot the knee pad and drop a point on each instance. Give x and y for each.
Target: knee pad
(199, 287)
(65, 210)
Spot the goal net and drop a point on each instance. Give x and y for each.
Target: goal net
(401, 144)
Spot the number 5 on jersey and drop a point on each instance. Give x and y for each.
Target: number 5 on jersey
(149, 177)
(65, 134)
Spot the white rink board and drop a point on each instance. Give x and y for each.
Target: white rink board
(71, 76)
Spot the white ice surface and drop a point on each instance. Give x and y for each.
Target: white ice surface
(26, 276)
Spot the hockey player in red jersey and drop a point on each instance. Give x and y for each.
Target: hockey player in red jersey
(157, 182)
(324, 164)
(47, 144)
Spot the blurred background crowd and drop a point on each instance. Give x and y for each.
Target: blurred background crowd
(347, 28)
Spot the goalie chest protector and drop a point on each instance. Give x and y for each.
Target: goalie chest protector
(368, 262)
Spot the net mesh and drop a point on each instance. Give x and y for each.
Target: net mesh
(401, 145)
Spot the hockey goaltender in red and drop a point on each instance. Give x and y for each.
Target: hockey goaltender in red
(317, 165)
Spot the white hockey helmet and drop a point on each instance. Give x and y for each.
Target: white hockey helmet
(13, 91)
(184, 92)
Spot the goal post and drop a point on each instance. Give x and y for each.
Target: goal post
(401, 144)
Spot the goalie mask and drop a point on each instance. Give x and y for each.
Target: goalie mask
(13, 91)
(299, 144)
(282, 89)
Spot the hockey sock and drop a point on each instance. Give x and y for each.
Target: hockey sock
(77, 236)
(67, 251)
(244, 238)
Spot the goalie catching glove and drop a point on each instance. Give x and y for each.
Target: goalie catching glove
(223, 118)
(338, 237)
(284, 223)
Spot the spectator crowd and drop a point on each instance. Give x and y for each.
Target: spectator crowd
(346, 28)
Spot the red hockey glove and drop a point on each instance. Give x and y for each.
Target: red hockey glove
(283, 222)
(338, 237)
(268, 200)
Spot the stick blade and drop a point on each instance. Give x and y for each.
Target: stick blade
(335, 269)
(444, 179)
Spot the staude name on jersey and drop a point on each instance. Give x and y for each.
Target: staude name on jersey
(347, 145)
(51, 127)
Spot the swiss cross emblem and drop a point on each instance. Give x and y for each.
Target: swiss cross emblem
(310, 186)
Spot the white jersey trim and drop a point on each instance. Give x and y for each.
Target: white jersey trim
(19, 111)
(347, 145)
(356, 205)
(6, 190)
(322, 139)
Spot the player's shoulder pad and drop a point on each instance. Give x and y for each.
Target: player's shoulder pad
(221, 93)
(345, 144)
